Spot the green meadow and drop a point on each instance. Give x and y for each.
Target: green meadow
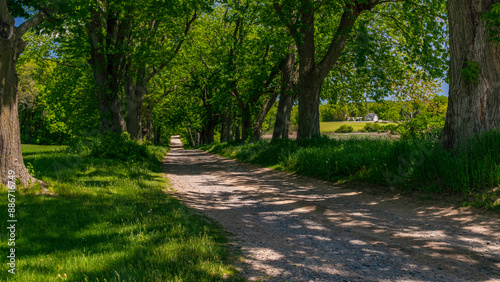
(331, 126)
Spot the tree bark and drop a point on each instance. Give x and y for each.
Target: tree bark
(11, 46)
(207, 133)
(282, 123)
(107, 34)
(288, 94)
(135, 97)
(226, 134)
(147, 129)
(246, 122)
(473, 101)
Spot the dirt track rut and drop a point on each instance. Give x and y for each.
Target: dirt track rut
(293, 228)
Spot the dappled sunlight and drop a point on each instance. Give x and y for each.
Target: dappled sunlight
(331, 230)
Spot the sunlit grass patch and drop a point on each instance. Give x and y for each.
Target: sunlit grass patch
(109, 221)
(331, 126)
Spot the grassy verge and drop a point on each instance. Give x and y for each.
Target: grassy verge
(472, 174)
(111, 220)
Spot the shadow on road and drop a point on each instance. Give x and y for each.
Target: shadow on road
(295, 228)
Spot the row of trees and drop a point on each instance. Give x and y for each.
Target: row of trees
(142, 66)
(388, 110)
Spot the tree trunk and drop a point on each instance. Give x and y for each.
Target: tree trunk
(11, 46)
(312, 70)
(147, 129)
(226, 134)
(107, 34)
(282, 123)
(246, 123)
(207, 133)
(268, 104)
(474, 100)
(309, 92)
(157, 135)
(288, 94)
(135, 98)
(237, 133)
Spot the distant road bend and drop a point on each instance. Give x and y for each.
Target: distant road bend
(293, 228)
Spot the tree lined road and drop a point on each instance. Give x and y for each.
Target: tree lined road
(296, 228)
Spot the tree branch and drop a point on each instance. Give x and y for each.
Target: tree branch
(34, 21)
(166, 92)
(179, 45)
(347, 21)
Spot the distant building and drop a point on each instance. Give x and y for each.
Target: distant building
(371, 117)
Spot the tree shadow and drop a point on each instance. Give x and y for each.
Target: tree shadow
(302, 228)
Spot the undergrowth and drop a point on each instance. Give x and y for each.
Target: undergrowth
(473, 172)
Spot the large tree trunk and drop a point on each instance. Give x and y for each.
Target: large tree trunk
(288, 95)
(207, 133)
(246, 123)
(309, 92)
(11, 46)
(135, 98)
(226, 134)
(107, 34)
(282, 123)
(473, 102)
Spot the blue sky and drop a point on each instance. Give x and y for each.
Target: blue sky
(445, 89)
(19, 21)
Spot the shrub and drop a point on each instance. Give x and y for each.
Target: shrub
(114, 146)
(344, 129)
(372, 127)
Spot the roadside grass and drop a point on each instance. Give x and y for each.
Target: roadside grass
(331, 126)
(472, 174)
(109, 220)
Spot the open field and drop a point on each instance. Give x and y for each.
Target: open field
(107, 220)
(331, 126)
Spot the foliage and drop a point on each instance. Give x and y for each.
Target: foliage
(471, 71)
(373, 127)
(110, 220)
(344, 129)
(493, 19)
(55, 102)
(112, 146)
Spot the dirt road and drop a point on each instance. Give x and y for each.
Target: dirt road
(293, 228)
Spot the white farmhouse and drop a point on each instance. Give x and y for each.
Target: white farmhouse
(371, 117)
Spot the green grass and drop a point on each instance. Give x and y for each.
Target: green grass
(331, 126)
(472, 173)
(110, 220)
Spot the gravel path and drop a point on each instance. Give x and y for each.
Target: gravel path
(293, 228)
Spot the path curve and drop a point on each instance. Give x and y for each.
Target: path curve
(293, 228)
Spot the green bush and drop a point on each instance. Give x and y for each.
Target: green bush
(116, 146)
(372, 127)
(344, 129)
